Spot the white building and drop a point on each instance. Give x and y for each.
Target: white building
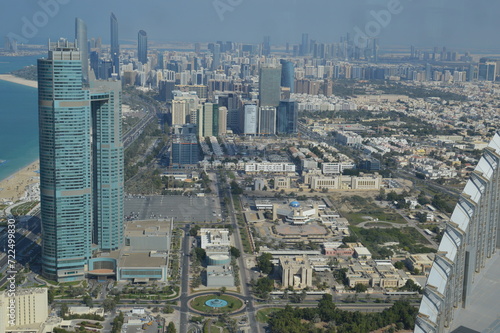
(336, 168)
(211, 237)
(269, 167)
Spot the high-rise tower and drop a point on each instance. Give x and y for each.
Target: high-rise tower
(115, 45)
(456, 294)
(65, 163)
(287, 117)
(107, 164)
(270, 85)
(287, 75)
(142, 47)
(81, 37)
(81, 163)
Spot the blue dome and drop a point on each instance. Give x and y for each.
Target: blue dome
(294, 204)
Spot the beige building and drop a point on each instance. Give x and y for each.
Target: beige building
(296, 272)
(423, 262)
(180, 111)
(26, 311)
(281, 182)
(222, 120)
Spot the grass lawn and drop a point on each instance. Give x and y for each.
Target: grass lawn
(24, 208)
(234, 304)
(263, 315)
(358, 217)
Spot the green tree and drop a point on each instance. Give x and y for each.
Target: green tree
(194, 230)
(264, 263)
(200, 254)
(87, 300)
(360, 288)
(109, 304)
(171, 328)
(235, 252)
(167, 309)
(263, 287)
(64, 310)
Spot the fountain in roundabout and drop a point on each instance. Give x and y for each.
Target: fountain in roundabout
(216, 303)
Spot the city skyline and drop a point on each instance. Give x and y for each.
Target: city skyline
(458, 24)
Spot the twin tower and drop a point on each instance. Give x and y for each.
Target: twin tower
(81, 163)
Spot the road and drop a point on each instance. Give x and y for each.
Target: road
(244, 279)
(184, 298)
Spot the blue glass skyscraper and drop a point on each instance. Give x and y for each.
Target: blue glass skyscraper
(287, 117)
(81, 37)
(287, 75)
(65, 163)
(81, 164)
(107, 164)
(142, 47)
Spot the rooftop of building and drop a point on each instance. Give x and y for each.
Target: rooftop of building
(133, 260)
(147, 228)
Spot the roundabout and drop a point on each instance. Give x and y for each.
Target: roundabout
(215, 304)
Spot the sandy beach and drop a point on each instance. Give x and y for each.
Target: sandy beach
(18, 80)
(13, 188)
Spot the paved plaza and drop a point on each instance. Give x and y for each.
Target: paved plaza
(181, 208)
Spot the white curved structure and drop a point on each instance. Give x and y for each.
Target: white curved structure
(470, 239)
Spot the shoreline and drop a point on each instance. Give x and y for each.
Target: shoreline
(13, 187)
(18, 80)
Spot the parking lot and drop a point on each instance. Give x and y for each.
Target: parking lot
(181, 208)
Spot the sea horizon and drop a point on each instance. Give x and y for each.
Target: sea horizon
(18, 119)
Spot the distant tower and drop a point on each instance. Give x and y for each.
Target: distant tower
(266, 47)
(287, 75)
(270, 85)
(216, 57)
(115, 45)
(142, 47)
(304, 46)
(287, 117)
(81, 37)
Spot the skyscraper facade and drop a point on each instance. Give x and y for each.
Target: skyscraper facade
(142, 47)
(250, 120)
(304, 46)
(266, 46)
(216, 57)
(81, 163)
(107, 164)
(65, 163)
(287, 75)
(287, 117)
(81, 37)
(470, 240)
(115, 45)
(208, 120)
(270, 85)
(267, 120)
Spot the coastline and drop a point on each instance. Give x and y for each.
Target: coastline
(13, 188)
(18, 80)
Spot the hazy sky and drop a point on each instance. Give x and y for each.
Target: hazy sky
(462, 24)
